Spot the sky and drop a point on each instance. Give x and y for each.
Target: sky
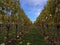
(32, 8)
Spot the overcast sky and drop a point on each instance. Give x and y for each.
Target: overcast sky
(33, 8)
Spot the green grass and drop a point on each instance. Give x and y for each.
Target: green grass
(34, 38)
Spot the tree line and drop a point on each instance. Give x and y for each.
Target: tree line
(48, 22)
(13, 21)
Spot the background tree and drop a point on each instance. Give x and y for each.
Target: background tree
(12, 14)
(48, 21)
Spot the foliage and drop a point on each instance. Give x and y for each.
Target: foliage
(48, 22)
